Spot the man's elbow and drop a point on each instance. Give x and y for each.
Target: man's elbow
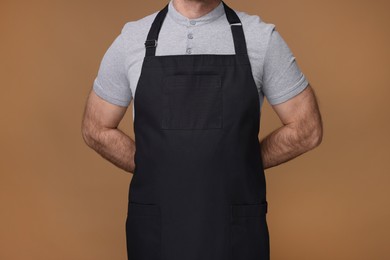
(315, 137)
(88, 134)
(310, 137)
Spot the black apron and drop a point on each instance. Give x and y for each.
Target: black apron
(198, 191)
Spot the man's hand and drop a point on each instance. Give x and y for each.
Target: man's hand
(100, 132)
(301, 130)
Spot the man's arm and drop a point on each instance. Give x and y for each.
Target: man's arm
(301, 130)
(100, 132)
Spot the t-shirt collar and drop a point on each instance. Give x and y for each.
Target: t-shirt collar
(209, 17)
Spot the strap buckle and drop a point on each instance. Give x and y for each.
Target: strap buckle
(150, 43)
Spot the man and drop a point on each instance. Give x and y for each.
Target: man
(198, 72)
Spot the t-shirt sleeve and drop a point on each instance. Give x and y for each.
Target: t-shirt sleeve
(282, 78)
(111, 82)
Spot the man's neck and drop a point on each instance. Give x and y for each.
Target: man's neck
(193, 9)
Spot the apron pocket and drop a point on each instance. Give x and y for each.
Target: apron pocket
(143, 231)
(192, 101)
(249, 232)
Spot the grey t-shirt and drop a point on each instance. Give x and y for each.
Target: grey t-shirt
(275, 71)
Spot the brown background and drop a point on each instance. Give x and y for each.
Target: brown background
(61, 200)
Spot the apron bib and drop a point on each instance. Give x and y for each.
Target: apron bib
(198, 191)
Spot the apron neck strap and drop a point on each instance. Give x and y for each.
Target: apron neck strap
(232, 17)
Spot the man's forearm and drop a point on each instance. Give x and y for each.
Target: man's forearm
(115, 146)
(286, 143)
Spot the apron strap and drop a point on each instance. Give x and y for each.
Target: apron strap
(237, 30)
(151, 40)
(232, 17)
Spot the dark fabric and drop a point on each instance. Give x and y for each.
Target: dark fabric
(198, 191)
